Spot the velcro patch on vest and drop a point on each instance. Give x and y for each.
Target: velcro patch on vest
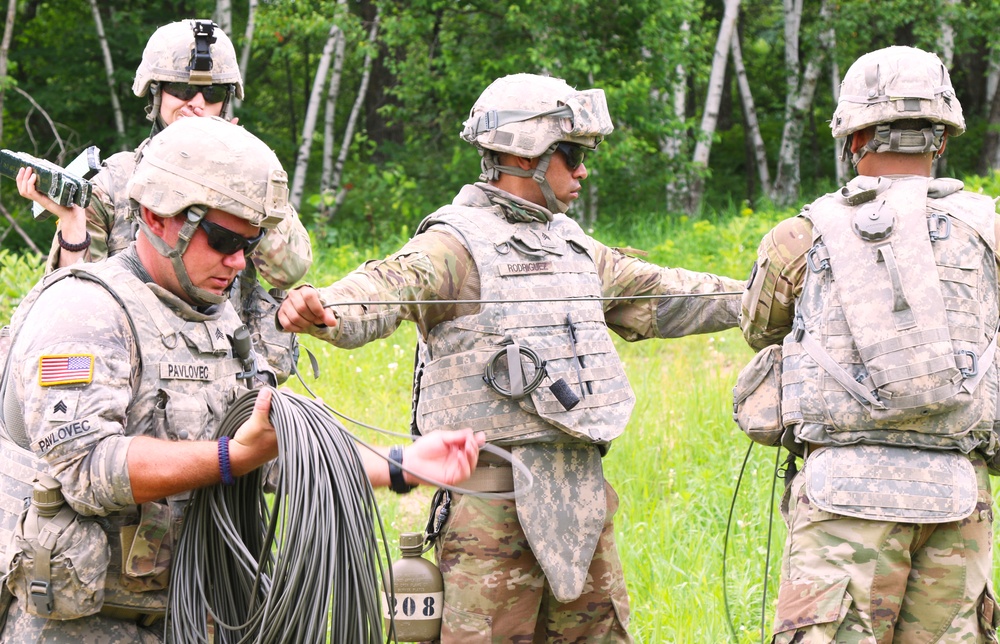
(506, 269)
(187, 371)
(60, 405)
(65, 369)
(70, 431)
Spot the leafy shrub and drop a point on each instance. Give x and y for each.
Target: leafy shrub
(18, 273)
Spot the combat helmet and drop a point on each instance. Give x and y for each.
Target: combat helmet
(529, 115)
(196, 52)
(895, 89)
(198, 164)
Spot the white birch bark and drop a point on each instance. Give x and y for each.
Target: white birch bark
(946, 39)
(672, 144)
(247, 42)
(8, 35)
(109, 70)
(224, 16)
(842, 166)
(345, 145)
(710, 116)
(798, 101)
(309, 125)
(750, 113)
(326, 182)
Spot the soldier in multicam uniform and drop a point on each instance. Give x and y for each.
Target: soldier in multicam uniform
(119, 375)
(188, 68)
(883, 297)
(543, 568)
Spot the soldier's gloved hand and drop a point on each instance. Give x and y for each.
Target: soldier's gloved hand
(303, 309)
(255, 442)
(447, 456)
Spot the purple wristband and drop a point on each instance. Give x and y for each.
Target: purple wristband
(224, 468)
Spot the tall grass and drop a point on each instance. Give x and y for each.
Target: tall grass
(675, 468)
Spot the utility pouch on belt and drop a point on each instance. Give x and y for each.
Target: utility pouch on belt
(757, 397)
(59, 569)
(883, 483)
(147, 550)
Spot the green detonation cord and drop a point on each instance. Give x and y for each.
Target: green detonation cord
(304, 570)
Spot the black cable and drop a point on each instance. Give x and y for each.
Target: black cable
(725, 545)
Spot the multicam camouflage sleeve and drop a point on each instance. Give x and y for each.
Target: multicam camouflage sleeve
(623, 275)
(775, 281)
(432, 266)
(285, 254)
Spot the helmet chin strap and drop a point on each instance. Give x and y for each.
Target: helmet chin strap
(492, 170)
(194, 215)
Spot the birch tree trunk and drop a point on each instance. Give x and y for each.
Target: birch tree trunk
(109, 70)
(946, 52)
(989, 156)
(672, 144)
(798, 100)
(345, 145)
(8, 35)
(710, 116)
(750, 114)
(309, 125)
(247, 42)
(332, 94)
(842, 167)
(224, 16)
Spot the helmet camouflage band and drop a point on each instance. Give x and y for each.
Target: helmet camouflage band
(189, 51)
(526, 114)
(210, 162)
(895, 84)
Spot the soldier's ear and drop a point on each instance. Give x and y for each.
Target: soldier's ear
(156, 223)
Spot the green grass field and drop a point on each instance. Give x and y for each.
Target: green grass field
(675, 468)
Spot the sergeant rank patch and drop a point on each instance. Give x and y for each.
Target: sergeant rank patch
(66, 369)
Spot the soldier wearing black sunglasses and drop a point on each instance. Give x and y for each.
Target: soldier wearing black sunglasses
(188, 69)
(506, 245)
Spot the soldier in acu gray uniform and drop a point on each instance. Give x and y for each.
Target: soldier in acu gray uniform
(876, 311)
(188, 69)
(118, 377)
(538, 376)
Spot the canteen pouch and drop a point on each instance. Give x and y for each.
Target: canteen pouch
(888, 483)
(60, 572)
(147, 550)
(757, 397)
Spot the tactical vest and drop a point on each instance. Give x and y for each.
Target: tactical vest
(895, 331)
(182, 387)
(538, 262)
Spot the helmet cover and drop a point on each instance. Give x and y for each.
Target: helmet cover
(526, 114)
(896, 83)
(196, 52)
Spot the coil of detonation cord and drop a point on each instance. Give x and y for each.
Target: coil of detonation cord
(303, 568)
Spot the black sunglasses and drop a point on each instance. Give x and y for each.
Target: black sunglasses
(573, 153)
(185, 92)
(225, 241)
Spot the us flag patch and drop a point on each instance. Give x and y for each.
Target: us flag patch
(65, 369)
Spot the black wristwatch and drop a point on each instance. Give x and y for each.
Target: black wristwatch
(396, 481)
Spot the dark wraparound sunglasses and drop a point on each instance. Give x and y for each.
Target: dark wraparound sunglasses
(225, 241)
(573, 153)
(185, 92)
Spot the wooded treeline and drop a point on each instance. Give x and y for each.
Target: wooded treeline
(715, 102)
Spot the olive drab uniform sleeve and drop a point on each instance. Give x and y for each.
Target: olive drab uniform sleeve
(285, 253)
(775, 281)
